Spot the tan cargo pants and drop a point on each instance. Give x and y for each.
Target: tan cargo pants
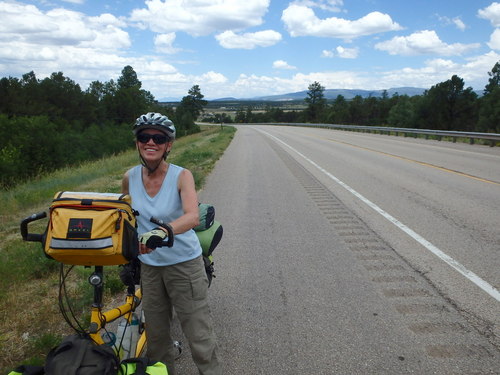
(182, 287)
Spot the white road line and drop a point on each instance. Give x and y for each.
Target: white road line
(484, 285)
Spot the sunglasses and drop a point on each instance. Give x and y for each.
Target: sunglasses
(159, 139)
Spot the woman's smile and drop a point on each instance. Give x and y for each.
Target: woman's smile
(150, 149)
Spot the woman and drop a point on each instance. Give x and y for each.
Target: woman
(171, 278)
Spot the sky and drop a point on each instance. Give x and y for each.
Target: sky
(251, 48)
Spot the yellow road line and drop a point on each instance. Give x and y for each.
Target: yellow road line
(417, 162)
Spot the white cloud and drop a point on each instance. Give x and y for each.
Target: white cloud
(423, 43)
(213, 77)
(200, 17)
(459, 23)
(164, 43)
(109, 35)
(154, 66)
(491, 13)
(347, 53)
(60, 40)
(473, 71)
(281, 64)
(105, 20)
(342, 52)
(176, 85)
(327, 53)
(96, 48)
(58, 26)
(302, 21)
(494, 42)
(231, 40)
(28, 26)
(253, 85)
(330, 5)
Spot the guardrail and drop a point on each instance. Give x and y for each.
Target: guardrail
(492, 137)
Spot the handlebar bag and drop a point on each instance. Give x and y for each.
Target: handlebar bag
(91, 229)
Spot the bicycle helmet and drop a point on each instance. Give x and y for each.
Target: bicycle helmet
(154, 120)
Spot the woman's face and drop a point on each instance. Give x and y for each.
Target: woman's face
(152, 144)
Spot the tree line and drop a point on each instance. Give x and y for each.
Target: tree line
(51, 123)
(447, 105)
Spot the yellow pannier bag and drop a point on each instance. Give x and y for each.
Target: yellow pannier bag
(91, 229)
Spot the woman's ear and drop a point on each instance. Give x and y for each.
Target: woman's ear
(169, 146)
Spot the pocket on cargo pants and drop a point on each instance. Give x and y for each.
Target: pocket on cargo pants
(189, 286)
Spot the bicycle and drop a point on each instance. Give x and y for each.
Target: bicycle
(99, 317)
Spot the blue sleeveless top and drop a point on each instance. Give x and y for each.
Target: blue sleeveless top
(167, 206)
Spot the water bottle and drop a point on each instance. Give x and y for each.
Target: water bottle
(127, 335)
(109, 338)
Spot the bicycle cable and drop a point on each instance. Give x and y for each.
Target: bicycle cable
(65, 303)
(69, 315)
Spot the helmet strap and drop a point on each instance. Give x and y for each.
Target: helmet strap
(149, 169)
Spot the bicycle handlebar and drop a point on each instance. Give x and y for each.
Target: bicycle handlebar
(33, 237)
(161, 223)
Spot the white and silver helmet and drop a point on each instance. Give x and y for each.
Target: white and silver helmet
(154, 120)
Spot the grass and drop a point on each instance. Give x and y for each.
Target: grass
(30, 321)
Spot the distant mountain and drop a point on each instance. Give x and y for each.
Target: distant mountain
(328, 93)
(346, 93)
(228, 99)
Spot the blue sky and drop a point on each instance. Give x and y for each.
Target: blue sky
(248, 48)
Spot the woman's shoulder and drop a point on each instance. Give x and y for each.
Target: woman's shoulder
(132, 172)
(134, 169)
(180, 173)
(176, 169)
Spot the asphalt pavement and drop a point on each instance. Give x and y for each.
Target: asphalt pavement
(310, 280)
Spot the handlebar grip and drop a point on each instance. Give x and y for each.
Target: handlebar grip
(34, 237)
(24, 227)
(161, 223)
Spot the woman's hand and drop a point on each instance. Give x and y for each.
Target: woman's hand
(151, 240)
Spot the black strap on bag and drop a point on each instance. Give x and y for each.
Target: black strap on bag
(79, 355)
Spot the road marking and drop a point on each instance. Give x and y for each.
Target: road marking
(416, 161)
(484, 285)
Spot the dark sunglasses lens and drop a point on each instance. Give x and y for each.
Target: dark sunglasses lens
(143, 138)
(159, 139)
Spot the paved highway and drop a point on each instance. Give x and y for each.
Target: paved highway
(349, 253)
